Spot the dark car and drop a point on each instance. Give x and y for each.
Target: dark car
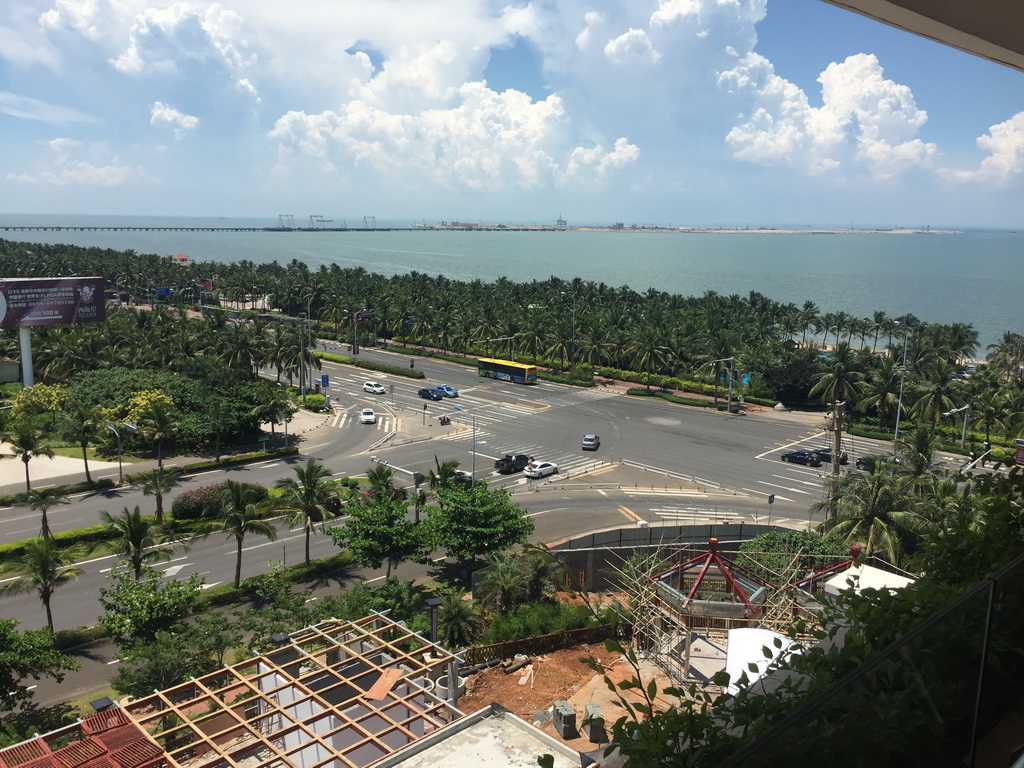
(866, 462)
(430, 394)
(810, 458)
(512, 462)
(825, 454)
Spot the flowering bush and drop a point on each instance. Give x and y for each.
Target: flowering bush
(206, 500)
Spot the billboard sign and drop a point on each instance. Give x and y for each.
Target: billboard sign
(29, 301)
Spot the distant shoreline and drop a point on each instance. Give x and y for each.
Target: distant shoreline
(771, 231)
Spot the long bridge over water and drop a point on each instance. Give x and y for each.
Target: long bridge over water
(114, 228)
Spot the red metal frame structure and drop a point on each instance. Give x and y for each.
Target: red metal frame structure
(725, 566)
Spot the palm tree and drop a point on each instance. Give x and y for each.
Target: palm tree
(646, 348)
(1007, 356)
(876, 509)
(504, 587)
(382, 480)
(157, 423)
(26, 443)
(136, 539)
(445, 474)
(83, 426)
(459, 621)
(240, 515)
(157, 482)
(937, 396)
(840, 381)
(987, 411)
(42, 569)
(41, 501)
(306, 497)
(220, 421)
(916, 452)
(881, 390)
(273, 407)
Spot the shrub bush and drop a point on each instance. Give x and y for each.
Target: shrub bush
(315, 403)
(532, 619)
(206, 501)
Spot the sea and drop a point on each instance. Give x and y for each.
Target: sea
(969, 276)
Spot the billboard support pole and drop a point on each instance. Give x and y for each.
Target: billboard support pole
(25, 336)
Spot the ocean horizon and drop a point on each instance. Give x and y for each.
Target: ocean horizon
(971, 276)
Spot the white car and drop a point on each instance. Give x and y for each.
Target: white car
(367, 416)
(540, 469)
(374, 388)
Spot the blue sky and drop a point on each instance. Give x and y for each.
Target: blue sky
(678, 112)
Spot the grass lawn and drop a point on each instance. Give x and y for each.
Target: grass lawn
(74, 452)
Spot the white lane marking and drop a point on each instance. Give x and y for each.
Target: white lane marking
(785, 488)
(766, 494)
(601, 492)
(786, 478)
(545, 511)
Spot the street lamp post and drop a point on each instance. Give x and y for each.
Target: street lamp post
(899, 403)
(309, 346)
(572, 357)
(472, 474)
(120, 471)
(730, 361)
(967, 412)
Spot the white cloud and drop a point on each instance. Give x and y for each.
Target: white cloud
(1004, 144)
(488, 141)
(27, 108)
(632, 46)
(71, 163)
(161, 113)
(865, 121)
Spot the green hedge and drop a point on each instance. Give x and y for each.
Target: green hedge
(244, 458)
(721, 405)
(394, 370)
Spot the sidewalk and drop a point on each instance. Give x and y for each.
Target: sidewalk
(45, 472)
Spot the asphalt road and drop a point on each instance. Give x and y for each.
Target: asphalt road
(726, 465)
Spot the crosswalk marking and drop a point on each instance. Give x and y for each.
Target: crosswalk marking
(664, 492)
(344, 420)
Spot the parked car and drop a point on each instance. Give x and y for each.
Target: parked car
(374, 388)
(430, 394)
(540, 469)
(447, 391)
(591, 442)
(367, 416)
(512, 462)
(825, 454)
(809, 458)
(865, 462)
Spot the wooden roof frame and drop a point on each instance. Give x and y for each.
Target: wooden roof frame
(309, 696)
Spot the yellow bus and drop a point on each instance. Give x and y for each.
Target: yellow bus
(507, 370)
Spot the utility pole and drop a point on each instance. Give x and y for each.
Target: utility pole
(837, 435)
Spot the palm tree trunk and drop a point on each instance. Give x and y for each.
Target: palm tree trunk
(159, 508)
(44, 530)
(28, 483)
(49, 615)
(238, 564)
(309, 530)
(85, 460)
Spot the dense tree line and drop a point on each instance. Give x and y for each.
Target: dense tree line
(799, 354)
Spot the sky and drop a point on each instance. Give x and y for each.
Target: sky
(665, 112)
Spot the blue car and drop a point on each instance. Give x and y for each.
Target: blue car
(446, 391)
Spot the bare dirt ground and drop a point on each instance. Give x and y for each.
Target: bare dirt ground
(531, 692)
